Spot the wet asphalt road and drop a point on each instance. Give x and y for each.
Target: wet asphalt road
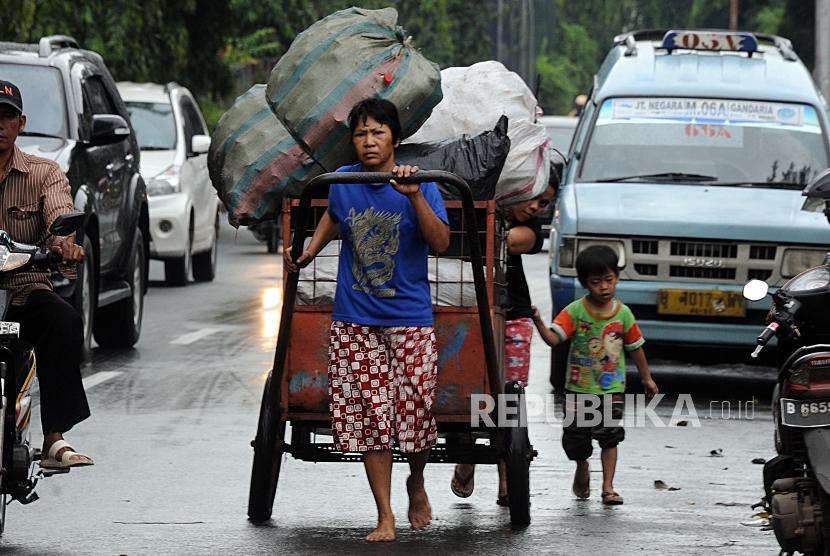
(173, 418)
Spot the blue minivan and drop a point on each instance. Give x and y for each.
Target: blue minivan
(689, 161)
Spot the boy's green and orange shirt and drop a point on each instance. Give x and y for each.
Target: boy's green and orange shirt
(596, 363)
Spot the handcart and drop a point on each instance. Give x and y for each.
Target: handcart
(470, 340)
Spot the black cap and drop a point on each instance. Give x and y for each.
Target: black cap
(10, 94)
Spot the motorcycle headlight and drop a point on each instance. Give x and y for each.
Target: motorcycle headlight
(165, 183)
(10, 261)
(799, 260)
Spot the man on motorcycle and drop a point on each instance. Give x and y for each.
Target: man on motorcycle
(33, 192)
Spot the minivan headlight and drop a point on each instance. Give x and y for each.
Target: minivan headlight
(617, 246)
(165, 183)
(799, 260)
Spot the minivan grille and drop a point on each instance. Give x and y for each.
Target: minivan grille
(762, 252)
(705, 273)
(644, 246)
(700, 249)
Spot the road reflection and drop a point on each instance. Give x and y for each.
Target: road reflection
(270, 320)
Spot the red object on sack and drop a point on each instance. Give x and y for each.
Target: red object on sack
(387, 78)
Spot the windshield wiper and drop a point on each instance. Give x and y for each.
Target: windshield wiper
(665, 176)
(39, 134)
(770, 184)
(156, 148)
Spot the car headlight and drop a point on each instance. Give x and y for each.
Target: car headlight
(617, 246)
(799, 260)
(165, 183)
(10, 261)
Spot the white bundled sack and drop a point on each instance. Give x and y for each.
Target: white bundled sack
(475, 97)
(451, 281)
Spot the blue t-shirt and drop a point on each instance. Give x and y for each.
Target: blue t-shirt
(382, 273)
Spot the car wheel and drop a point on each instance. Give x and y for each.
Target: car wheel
(84, 297)
(177, 271)
(204, 264)
(119, 324)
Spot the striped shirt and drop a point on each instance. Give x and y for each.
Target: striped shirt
(33, 193)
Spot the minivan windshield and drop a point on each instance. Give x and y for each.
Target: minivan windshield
(41, 88)
(154, 125)
(705, 141)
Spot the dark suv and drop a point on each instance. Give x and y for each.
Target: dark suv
(76, 117)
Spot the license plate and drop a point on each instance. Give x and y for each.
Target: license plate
(701, 303)
(805, 413)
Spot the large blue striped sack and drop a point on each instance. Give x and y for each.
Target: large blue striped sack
(346, 57)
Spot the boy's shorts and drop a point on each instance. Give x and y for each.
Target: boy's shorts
(578, 428)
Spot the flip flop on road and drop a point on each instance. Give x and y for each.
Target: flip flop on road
(461, 487)
(611, 499)
(69, 458)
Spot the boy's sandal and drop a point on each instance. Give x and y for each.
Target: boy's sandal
(611, 499)
(503, 500)
(461, 487)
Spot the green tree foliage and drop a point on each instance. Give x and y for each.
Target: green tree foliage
(219, 47)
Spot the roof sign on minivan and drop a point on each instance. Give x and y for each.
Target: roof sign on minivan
(708, 110)
(710, 40)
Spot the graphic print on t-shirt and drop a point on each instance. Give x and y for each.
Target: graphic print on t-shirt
(376, 238)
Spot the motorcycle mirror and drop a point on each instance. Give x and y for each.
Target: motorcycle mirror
(755, 290)
(68, 223)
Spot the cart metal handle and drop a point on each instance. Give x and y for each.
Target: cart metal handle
(301, 225)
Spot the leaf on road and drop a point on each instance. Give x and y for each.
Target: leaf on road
(682, 423)
(727, 504)
(716, 453)
(759, 461)
(661, 485)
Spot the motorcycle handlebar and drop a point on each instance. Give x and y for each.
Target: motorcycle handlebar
(44, 259)
(764, 337)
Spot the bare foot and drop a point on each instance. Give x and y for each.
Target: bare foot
(384, 532)
(420, 512)
(582, 480)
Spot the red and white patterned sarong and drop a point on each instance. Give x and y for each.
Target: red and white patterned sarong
(382, 387)
(517, 336)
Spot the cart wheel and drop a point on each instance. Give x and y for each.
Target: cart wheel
(518, 455)
(268, 450)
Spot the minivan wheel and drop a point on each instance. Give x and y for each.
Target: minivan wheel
(119, 324)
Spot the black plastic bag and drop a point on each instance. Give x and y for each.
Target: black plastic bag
(479, 159)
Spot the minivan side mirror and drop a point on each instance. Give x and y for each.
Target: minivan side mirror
(199, 144)
(109, 128)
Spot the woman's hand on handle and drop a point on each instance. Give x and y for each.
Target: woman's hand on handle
(407, 189)
(294, 266)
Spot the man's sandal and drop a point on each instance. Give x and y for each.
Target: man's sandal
(67, 456)
(611, 499)
(461, 487)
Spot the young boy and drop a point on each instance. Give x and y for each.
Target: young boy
(600, 327)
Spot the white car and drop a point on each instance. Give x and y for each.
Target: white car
(184, 207)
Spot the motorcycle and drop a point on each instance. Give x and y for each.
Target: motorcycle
(797, 480)
(18, 476)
